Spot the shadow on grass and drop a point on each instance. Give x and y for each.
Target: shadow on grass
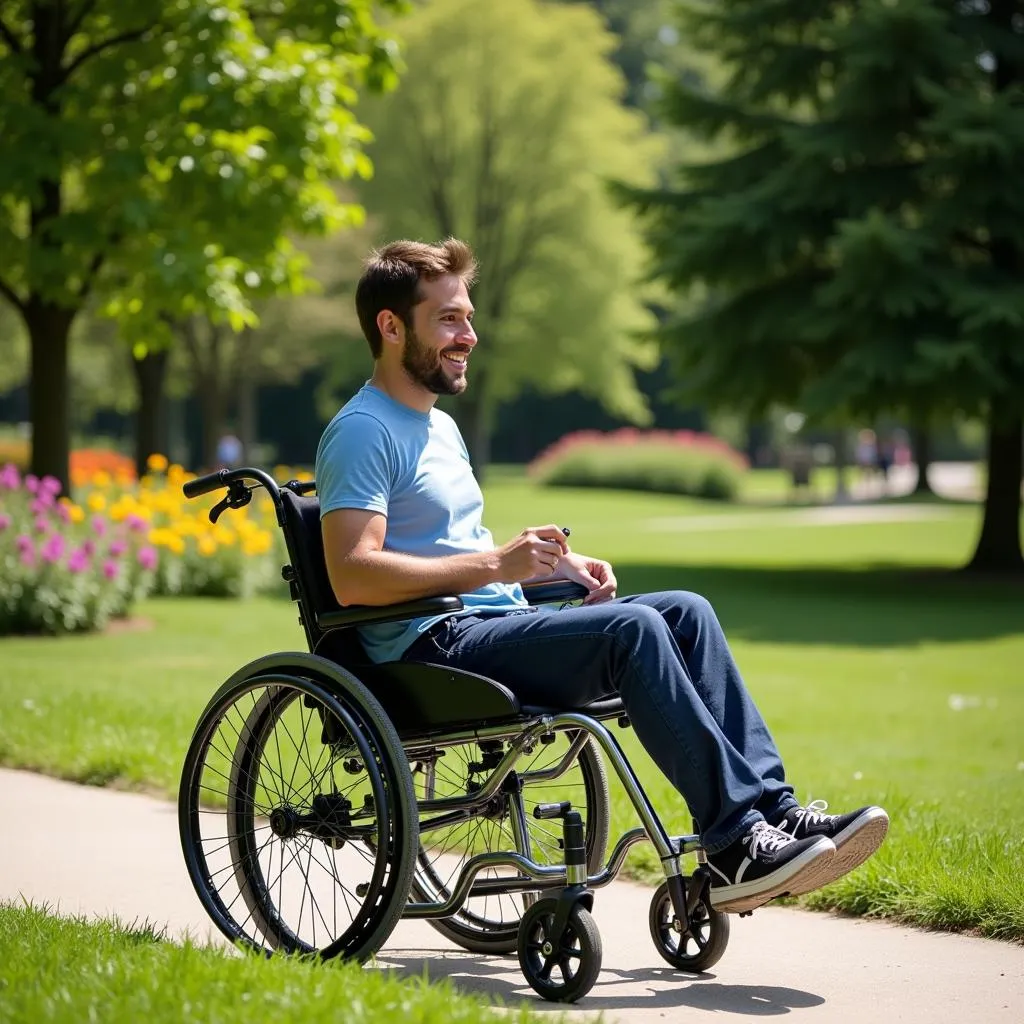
(877, 606)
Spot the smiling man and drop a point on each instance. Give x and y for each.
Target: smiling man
(402, 518)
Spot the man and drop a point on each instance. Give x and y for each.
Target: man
(401, 518)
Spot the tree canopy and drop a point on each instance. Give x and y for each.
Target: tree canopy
(160, 153)
(507, 125)
(857, 241)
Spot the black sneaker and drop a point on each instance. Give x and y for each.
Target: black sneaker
(766, 863)
(856, 835)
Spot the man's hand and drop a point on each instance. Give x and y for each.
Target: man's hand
(534, 554)
(593, 573)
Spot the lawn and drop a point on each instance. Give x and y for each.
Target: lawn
(60, 969)
(885, 676)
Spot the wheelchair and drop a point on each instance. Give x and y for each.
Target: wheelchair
(324, 797)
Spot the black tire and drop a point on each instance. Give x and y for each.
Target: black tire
(490, 924)
(296, 814)
(698, 951)
(577, 958)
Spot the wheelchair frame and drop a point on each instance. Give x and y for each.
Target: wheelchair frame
(681, 906)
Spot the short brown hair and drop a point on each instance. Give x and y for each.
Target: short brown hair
(391, 278)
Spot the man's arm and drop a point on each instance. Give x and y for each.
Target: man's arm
(362, 572)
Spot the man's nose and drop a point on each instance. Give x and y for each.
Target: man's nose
(468, 335)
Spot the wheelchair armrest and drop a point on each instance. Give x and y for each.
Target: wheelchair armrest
(555, 590)
(367, 615)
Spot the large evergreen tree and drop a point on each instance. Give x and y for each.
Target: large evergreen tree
(858, 241)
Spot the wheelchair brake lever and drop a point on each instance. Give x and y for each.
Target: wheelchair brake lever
(220, 508)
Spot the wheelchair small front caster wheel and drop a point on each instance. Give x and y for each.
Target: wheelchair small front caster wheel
(567, 972)
(702, 947)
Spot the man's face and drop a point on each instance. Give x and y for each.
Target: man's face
(441, 337)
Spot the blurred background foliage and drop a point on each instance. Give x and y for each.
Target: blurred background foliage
(689, 216)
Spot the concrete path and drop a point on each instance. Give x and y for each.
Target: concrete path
(98, 852)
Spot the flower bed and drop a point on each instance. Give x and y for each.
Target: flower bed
(67, 566)
(674, 462)
(62, 569)
(237, 557)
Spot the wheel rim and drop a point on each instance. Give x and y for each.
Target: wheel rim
(545, 962)
(684, 947)
(444, 849)
(289, 837)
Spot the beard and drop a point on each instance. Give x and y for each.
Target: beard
(423, 365)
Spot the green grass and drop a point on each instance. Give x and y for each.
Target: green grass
(885, 676)
(60, 969)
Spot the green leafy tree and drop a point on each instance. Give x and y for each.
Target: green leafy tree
(858, 242)
(158, 154)
(504, 131)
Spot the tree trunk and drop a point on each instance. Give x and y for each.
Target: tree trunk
(999, 546)
(49, 328)
(248, 408)
(921, 448)
(213, 410)
(151, 417)
(842, 494)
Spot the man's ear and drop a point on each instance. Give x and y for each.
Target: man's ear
(390, 327)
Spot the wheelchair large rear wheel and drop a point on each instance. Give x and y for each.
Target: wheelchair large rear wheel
(490, 924)
(296, 814)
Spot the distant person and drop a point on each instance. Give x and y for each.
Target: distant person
(886, 458)
(230, 451)
(865, 455)
(402, 519)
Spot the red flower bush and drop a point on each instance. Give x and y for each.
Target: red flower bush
(670, 461)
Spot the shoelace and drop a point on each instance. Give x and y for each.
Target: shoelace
(763, 836)
(814, 813)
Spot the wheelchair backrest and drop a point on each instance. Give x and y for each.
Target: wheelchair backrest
(306, 550)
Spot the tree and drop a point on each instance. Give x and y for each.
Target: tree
(858, 243)
(156, 155)
(506, 126)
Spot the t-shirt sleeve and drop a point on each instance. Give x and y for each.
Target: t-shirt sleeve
(355, 465)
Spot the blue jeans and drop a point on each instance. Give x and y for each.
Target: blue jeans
(667, 656)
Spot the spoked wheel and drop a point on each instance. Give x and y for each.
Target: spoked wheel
(296, 817)
(562, 971)
(696, 952)
(551, 773)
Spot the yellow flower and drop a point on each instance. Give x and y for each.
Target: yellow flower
(156, 463)
(207, 546)
(76, 512)
(101, 478)
(96, 502)
(176, 545)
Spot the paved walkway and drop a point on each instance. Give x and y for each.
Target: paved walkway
(100, 852)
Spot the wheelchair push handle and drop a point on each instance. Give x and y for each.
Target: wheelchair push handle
(205, 484)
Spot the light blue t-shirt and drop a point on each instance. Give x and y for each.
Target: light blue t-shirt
(412, 467)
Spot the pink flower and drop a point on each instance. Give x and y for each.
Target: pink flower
(118, 548)
(24, 542)
(42, 524)
(31, 483)
(135, 523)
(110, 569)
(89, 548)
(78, 561)
(28, 559)
(99, 525)
(5, 520)
(50, 485)
(9, 477)
(147, 558)
(63, 513)
(53, 550)
(41, 504)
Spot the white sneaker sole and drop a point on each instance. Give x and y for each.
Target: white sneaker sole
(858, 841)
(800, 875)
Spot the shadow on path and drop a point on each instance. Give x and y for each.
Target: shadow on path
(659, 988)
